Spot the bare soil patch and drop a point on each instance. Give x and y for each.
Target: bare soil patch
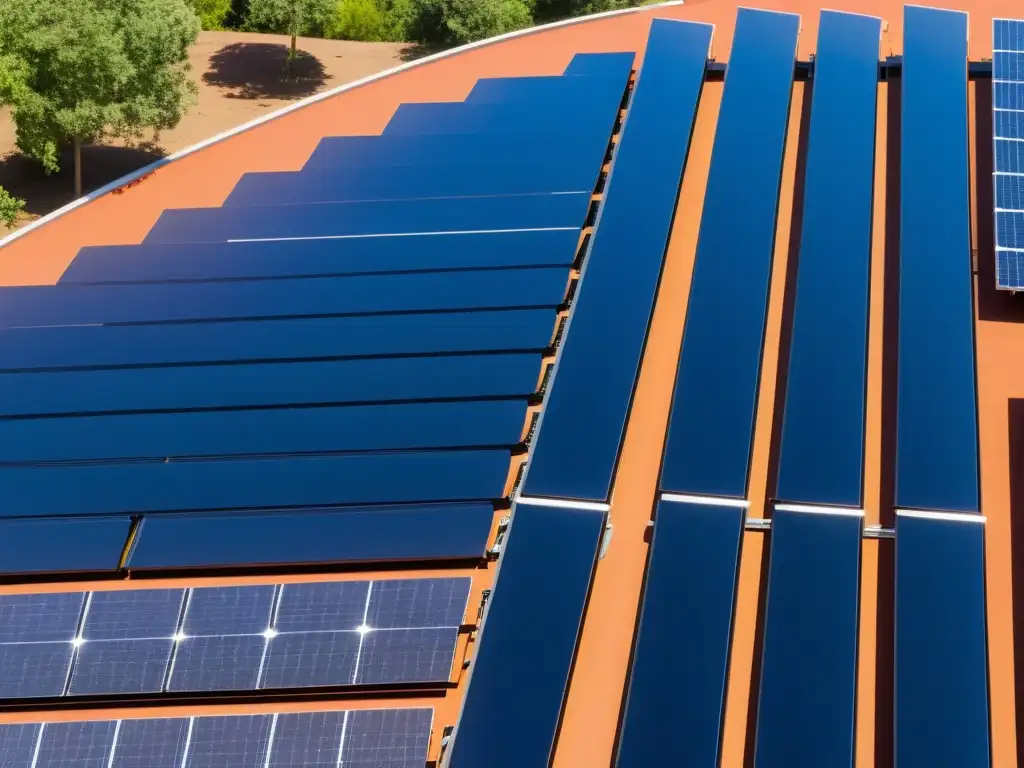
(240, 77)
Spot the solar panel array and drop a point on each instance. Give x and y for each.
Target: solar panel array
(271, 365)
(369, 738)
(231, 638)
(1008, 136)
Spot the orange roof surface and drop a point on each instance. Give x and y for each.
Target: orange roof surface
(593, 705)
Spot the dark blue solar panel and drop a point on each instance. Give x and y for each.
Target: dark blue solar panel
(290, 258)
(131, 614)
(541, 541)
(76, 745)
(472, 214)
(120, 666)
(239, 741)
(1008, 125)
(942, 711)
(368, 534)
(342, 154)
(310, 660)
(264, 432)
(406, 656)
(1010, 193)
(475, 289)
(1008, 96)
(713, 411)
(274, 384)
(1007, 34)
(1009, 156)
(40, 617)
(567, 119)
(673, 712)
(418, 603)
(308, 740)
(599, 64)
(416, 182)
(822, 454)
(1009, 229)
(228, 610)
(244, 484)
(548, 88)
(226, 663)
(396, 738)
(808, 688)
(440, 333)
(936, 433)
(1010, 265)
(322, 606)
(62, 545)
(1008, 66)
(34, 670)
(151, 743)
(585, 415)
(18, 744)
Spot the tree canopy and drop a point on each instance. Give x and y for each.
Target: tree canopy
(75, 71)
(455, 22)
(290, 17)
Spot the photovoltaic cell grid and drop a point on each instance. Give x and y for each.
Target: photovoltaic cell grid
(396, 738)
(239, 638)
(1008, 136)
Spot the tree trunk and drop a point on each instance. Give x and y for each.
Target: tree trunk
(78, 168)
(291, 56)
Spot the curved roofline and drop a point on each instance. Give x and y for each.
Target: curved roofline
(160, 163)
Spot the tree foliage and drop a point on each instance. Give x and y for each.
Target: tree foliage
(455, 22)
(10, 207)
(212, 14)
(75, 71)
(290, 17)
(358, 20)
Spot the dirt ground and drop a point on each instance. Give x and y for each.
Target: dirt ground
(239, 79)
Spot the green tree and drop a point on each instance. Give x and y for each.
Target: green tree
(211, 13)
(10, 207)
(357, 20)
(552, 10)
(455, 22)
(75, 71)
(290, 17)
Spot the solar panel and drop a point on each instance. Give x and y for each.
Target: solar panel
(237, 638)
(63, 544)
(290, 258)
(308, 739)
(387, 738)
(268, 340)
(351, 535)
(18, 744)
(271, 384)
(395, 738)
(126, 641)
(392, 217)
(245, 483)
(151, 743)
(237, 741)
(299, 297)
(76, 745)
(1008, 137)
(585, 414)
(406, 426)
(35, 642)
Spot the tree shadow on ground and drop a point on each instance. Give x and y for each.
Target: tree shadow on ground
(261, 71)
(415, 51)
(25, 178)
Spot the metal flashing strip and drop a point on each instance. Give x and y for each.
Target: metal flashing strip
(951, 517)
(712, 501)
(816, 509)
(590, 506)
